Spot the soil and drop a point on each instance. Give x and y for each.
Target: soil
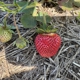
(27, 64)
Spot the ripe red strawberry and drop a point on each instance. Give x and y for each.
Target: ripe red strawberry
(47, 44)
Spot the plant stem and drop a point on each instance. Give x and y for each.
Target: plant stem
(9, 5)
(44, 18)
(44, 22)
(5, 20)
(16, 26)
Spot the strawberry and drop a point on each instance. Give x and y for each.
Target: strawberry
(21, 42)
(47, 44)
(5, 34)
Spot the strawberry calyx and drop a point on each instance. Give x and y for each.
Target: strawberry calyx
(3, 28)
(46, 30)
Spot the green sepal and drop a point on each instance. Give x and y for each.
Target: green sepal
(48, 30)
(51, 31)
(8, 26)
(40, 30)
(11, 31)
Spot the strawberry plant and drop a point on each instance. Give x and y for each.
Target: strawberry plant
(15, 8)
(47, 42)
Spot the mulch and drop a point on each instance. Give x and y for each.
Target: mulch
(27, 64)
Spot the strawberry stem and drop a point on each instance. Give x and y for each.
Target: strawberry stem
(44, 18)
(5, 21)
(16, 26)
(44, 22)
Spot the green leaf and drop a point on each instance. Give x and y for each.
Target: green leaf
(28, 21)
(28, 11)
(77, 3)
(24, 7)
(21, 3)
(66, 4)
(30, 5)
